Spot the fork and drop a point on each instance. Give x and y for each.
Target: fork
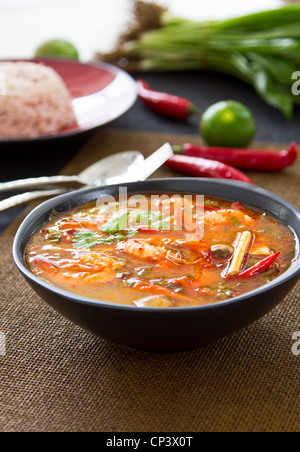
(151, 164)
(148, 167)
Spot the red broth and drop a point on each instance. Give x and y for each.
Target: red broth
(137, 256)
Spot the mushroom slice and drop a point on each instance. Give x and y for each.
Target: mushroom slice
(154, 301)
(221, 251)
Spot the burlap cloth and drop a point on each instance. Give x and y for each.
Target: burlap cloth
(57, 377)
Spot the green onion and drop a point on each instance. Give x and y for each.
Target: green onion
(263, 49)
(236, 222)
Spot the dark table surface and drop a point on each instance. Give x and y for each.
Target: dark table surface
(203, 88)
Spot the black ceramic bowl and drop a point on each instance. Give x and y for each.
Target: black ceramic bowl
(163, 329)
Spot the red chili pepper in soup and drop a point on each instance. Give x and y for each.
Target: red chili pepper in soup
(260, 267)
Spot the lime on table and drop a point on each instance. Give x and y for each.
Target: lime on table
(57, 48)
(228, 124)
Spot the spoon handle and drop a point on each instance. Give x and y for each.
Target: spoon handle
(34, 182)
(24, 198)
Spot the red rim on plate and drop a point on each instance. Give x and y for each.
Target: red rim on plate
(101, 93)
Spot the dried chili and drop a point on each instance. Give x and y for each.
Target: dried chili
(260, 267)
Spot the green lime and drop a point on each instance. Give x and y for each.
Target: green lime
(57, 48)
(228, 124)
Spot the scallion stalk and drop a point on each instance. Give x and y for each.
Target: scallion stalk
(262, 49)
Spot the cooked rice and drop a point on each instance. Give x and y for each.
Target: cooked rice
(34, 101)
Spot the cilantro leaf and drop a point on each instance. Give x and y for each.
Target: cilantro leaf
(153, 219)
(119, 223)
(85, 239)
(89, 239)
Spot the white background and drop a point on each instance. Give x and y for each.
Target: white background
(93, 25)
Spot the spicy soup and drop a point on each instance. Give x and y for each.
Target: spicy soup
(170, 252)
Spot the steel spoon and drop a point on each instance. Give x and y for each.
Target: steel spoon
(100, 173)
(139, 169)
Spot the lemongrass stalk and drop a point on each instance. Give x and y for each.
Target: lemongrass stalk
(242, 248)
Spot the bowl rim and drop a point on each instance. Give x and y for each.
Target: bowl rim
(39, 211)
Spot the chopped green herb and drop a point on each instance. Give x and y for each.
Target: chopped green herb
(224, 293)
(130, 282)
(54, 237)
(252, 262)
(236, 222)
(180, 290)
(89, 239)
(85, 239)
(143, 271)
(267, 229)
(53, 214)
(122, 275)
(151, 219)
(241, 284)
(146, 216)
(271, 274)
(119, 223)
(211, 203)
(160, 282)
(163, 225)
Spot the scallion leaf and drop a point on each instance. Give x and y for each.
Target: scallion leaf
(261, 49)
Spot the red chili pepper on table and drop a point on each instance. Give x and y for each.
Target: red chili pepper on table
(195, 166)
(247, 159)
(165, 104)
(260, 267)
